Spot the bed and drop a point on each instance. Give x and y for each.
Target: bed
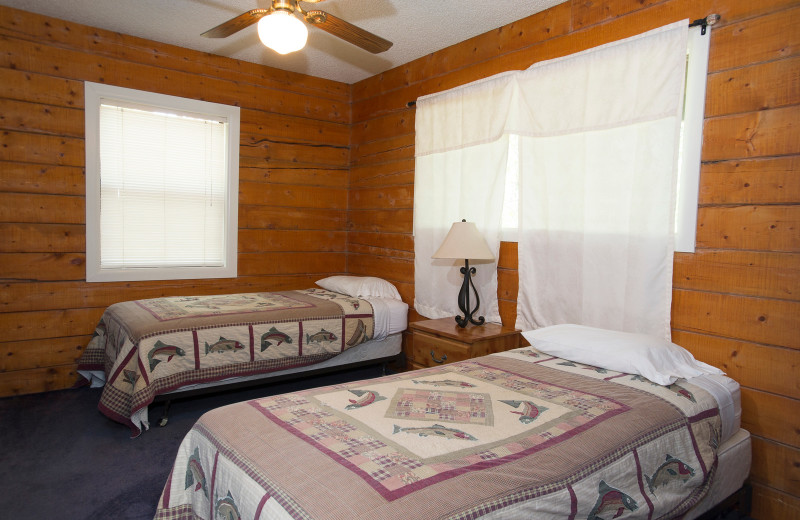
(151, 349)
(518, 434)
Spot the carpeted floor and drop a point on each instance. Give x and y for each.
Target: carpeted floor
(63, 459)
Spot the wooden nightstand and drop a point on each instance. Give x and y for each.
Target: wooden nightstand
(434, 342)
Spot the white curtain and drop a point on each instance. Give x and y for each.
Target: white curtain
(461, 184)
(598, 183)
(598, 135)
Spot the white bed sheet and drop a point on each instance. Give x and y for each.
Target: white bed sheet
(391, 316)
(729, 398)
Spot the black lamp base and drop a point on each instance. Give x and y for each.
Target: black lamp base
(463, 299)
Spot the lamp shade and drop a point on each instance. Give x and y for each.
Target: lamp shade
(282, 32)
(464, 241)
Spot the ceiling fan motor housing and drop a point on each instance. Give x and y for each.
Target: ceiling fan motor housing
(286, 5)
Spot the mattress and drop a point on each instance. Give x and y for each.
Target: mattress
(734, 455)
(391, 316)
(733, 467)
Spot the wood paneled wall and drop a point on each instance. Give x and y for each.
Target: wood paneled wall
(735, 301)
(294, 163)
(328, 168)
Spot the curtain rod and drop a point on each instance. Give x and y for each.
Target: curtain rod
(703, 22)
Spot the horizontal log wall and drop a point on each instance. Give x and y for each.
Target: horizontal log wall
(735, 301)
(294, 155)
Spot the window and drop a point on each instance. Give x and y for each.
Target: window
(691, 141)
(161, 186)
(596, 136)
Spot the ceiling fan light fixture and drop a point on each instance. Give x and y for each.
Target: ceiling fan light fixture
(282, 32)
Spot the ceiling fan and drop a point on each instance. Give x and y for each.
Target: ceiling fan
(281, 30)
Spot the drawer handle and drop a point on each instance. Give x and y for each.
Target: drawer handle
(433, 357)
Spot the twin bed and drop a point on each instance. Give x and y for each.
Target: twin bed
(552, 430)
(152, 349)
(519, 434)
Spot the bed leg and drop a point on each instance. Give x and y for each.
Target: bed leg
(746, 498)
(165, 414)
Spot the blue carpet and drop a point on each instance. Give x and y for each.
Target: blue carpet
(63, 459)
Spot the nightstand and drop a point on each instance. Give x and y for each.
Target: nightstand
(435, 342)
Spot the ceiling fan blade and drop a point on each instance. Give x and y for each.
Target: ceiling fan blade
(348, 32)
(235, 25)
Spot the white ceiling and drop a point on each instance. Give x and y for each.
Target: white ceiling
(416, 27)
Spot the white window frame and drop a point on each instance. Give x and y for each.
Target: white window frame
(95, 94)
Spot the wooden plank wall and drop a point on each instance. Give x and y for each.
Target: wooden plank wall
(735, 301)
(294, 154)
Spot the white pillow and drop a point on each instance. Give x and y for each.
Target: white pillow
(656, 359)
(360, 286)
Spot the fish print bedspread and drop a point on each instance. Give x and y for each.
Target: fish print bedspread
(513, 435)
(149, 347)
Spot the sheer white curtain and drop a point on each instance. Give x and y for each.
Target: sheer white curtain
(465, 184)
(597, 185)
(598, 134)
(459, 174)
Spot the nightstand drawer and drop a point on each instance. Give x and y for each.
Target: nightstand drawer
(431, 351)
(441, 341)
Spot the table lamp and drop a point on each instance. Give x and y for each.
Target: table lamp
(465, 241)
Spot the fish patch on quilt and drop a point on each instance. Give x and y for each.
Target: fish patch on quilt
(405, 433)
(148, 347)
(680, 393)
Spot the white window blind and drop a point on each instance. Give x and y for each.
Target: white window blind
(160, 196)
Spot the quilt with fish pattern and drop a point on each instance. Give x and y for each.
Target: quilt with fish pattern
(518, 434)
(149, 347)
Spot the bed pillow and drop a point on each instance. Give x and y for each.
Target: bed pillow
(657, 359)
(360, 286)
